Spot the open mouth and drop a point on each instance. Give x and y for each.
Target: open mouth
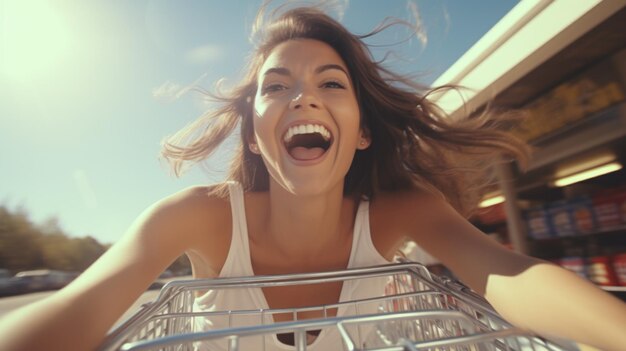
(307, 141)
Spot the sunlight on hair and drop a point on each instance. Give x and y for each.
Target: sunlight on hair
(270, 10)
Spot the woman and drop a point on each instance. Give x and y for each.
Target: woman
(340, 162)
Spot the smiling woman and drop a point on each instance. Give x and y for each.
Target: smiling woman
(303, 85)
(35, 40)
(339, 161)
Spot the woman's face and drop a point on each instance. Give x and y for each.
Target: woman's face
(306, 117)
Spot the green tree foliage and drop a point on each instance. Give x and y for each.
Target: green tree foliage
(19, 241)
(27, 246)
(83, 251)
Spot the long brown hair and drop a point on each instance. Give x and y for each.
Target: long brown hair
(414, 145)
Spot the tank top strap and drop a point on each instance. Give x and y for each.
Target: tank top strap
(238, 260)
(364, 253)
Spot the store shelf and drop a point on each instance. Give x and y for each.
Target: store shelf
(585, 236)
(621, 289)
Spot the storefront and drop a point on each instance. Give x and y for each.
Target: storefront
(566, 67)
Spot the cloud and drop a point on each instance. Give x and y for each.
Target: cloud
(169, 91)
(85, 189)
(204, 54)
(416, 19)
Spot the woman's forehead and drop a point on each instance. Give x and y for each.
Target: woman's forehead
(298, 54)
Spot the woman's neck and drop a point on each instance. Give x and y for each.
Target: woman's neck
(307, 226)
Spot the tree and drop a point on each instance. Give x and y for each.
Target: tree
(19, 241)
(85, 251)
(25, 246)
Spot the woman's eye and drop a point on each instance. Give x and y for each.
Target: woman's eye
(333, 85)
(270, 88)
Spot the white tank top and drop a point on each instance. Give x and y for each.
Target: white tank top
(238, 264)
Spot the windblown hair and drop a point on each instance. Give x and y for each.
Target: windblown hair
(414, 145)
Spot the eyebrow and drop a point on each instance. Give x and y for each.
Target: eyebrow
(285, 72)
(323, 68)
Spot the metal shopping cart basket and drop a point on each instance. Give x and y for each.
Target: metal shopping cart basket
(418, 311)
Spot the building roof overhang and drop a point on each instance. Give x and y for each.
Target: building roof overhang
(532, 48)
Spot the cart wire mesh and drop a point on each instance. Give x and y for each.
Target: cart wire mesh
(418, 311)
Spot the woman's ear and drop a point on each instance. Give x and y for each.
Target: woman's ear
(254, 147)
(364, 140)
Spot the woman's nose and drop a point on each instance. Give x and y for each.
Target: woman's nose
(303, 99)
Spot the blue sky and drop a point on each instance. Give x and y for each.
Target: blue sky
(88, 89)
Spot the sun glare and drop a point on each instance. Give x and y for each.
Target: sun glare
(34, 38)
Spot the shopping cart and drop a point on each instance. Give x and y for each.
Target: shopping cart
(418, 311)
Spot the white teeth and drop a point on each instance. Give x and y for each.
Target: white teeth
(306, 129)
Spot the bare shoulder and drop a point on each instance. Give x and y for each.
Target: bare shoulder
(172, 226)
(191, 208)
(405, 210)
(398, 216)
(196, 217)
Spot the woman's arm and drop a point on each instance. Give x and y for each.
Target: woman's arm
(528, 292)
(79, 316)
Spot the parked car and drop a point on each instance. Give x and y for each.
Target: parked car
(13, 286)
(9, 285)
(44, 279)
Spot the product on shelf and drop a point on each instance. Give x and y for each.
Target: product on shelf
(561, 218)
(610, 208)
(600, 271)
(538, 223)
(583, 215)
(619, 267)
